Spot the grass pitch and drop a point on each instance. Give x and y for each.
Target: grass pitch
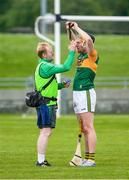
(18, 55)
(18, 138)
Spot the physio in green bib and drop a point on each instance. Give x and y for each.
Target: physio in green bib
(46, 114)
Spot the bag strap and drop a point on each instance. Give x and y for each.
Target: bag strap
(47, 84)
(50, 98)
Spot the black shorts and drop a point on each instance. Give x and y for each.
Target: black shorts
(46, 116)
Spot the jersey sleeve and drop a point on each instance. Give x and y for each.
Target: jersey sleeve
(93, 55)
(48, 69)
(60, 86)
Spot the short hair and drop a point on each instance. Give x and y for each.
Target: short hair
(92, 37)
(41, 48)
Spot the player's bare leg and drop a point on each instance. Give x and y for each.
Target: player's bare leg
(89, 134)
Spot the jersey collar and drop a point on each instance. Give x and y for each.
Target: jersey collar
(82, 56)
(44, 60)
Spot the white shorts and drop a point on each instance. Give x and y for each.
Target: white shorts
(84, 101)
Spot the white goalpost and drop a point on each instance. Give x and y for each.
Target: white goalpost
(56, 18)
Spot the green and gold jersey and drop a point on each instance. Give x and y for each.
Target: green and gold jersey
(86, 71)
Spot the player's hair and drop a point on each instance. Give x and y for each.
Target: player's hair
(41, 48)
(92, 37)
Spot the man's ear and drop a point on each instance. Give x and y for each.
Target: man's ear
(43, 54)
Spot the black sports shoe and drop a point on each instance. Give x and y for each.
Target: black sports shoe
(45, 163)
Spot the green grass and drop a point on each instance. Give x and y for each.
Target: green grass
(18, 58)
(18, 138)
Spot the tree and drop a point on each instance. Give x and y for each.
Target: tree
(14, 13)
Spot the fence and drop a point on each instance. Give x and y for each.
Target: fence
(100, 82)
(118, 82)
(16, 82)
(112, 95)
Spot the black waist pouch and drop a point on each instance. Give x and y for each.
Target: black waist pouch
(35, 99)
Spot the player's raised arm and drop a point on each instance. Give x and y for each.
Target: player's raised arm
(84, 35)
(71, 34)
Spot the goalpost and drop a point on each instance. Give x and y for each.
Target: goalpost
(56, 18)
